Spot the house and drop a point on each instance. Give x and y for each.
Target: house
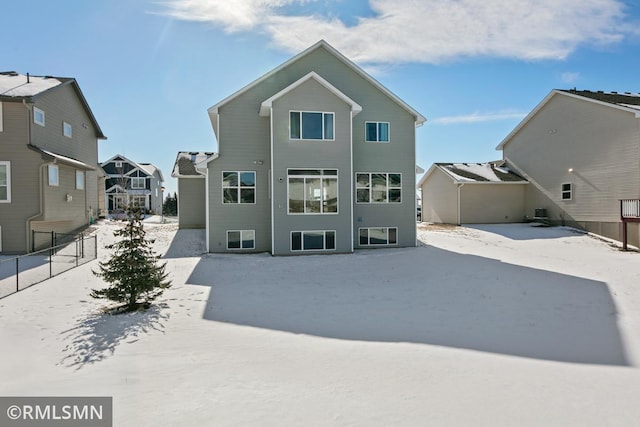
(129, 184)
(191, 187)
(463, 193)
(48, 159)
(315, 156)
(580, 151)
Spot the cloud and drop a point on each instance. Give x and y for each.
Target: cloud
(569, 77)
(425, 31)
(479, 117)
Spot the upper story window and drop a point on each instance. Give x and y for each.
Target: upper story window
(38, 116)
(53, 175)
(313, 191)
(376, 131)
(378, 188)
(5, 182)
(238, 187)
(79, 180)
(138, 182)
(67, 130)
(311, 125)
(567, 191)
(118, 163)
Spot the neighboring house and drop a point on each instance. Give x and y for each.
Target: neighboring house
(580, 150)
(130, 184)
(191, 188)
(314, 157)
(467, 193)
(48, 159)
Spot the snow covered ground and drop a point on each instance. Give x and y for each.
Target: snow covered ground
(495, 325)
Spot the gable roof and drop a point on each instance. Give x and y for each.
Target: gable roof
(151, 169)
(419, 118)
(17, 87)
(627, 101)
(187, 161)
(265, 107)
(146, 168)
(476, 173)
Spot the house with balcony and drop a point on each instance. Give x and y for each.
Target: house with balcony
(316, 156)
(49, 172)
(130, 184)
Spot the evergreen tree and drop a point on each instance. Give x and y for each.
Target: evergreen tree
(133, 270)
(170, 206)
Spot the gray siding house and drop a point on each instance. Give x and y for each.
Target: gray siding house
(48, 158)
(129, 184)
(314, 157)
(191, 188)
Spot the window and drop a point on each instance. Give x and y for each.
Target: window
(567, 191)
(378, 188)
(239, 187)
(241, 239)
(79, 180)
(376, 131)
(308, 125)
(138, 182)
(313, 191)
(5, 182)
(38, 116)
(118, 164)
(138, 201)
(378, 236)
(67, 130)
(53, 175)
(313, 240)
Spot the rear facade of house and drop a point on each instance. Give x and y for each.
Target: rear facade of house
(314, 157)
(48, 159)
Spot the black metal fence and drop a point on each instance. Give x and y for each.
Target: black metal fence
(49, 239)
(20, 272)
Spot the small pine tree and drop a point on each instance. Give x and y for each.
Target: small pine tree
(133, 270)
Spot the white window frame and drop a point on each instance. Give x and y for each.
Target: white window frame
(377, 140)
(79, 180)
(322, 178)
(242, 239)
(135, 182)
(7, 164)
(386, 232)
(118, 163)
(564, 192)
(369, 187)
(324, 240)
(239, 188)
(36, 116)
(53, 179)
(67, 129)
(301, 124)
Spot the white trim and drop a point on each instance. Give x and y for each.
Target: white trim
(301, 112)
(377, 122)
(242, 232)
(208, 213)
(369, 244)
(37, 111)
(351, 187)
(51, 168)
(324, 240)
(272, 188)
(80, 173)
(67, 130)
(7, 163)
(137, 179)
(239, 187)
(321, 177)
(1, 128)
(370, 188)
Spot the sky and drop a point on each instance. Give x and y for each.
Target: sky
(150, 69)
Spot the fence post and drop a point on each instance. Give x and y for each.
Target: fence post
(50, 263)
(76, 253)
(17, 274)
(53, 238)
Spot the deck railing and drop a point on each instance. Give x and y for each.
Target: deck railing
(630, 208)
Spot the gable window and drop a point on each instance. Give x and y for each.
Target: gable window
(238, 187)
(311, 125)
(378, 236)
(312, 191)
(118, 163)
(324, 240)
(79, 180)
(5, 182)
(38, 116)
(376, 131)
(378, 188)
(53, 175)
(241, 239)
(567, 191)
(67, 130)
(138, 182)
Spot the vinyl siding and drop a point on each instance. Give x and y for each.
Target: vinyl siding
(191, 203)
(600, 143)
(492, 203)
(439, 199)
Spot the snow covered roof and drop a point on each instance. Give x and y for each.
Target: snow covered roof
(17, 85)
(477, 173)
(151, 169)
(186, 161)
(626, 99)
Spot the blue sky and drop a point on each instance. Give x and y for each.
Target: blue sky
(474, 68)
